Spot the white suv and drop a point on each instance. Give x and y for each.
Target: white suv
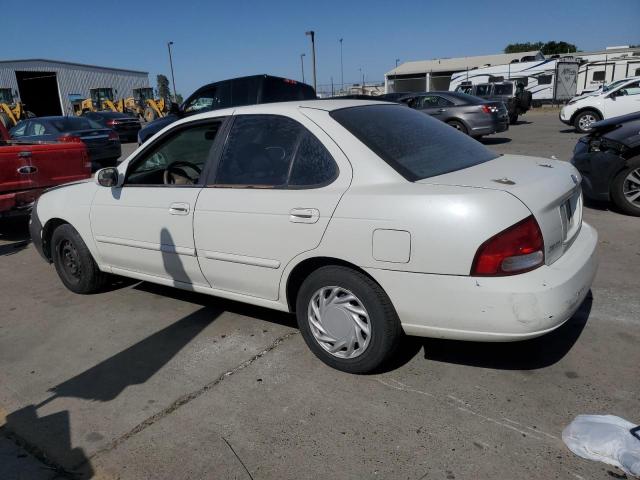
(619, 99)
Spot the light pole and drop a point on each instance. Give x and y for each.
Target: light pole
(312, 34)
(360, 70)
(397, 60)
(173, 78)
(302, 65)
(341, 68)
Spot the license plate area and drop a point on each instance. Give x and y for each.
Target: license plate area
(571, 216)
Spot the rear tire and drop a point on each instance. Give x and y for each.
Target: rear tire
(343, 310)
(458, 126)
(513, 118)
(74, 263)
(585, 119)
(624, 187)
(150, 114)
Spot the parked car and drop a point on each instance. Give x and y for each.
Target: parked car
(103, 144)
(367, 219)
(609, 161)
(620, 99)
(471, 115)
(27, 169)
(126, 126)
(232, 93)
(515, 97)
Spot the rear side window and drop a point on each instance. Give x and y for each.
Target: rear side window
(414, 144)
(505, 89)
(272, 151)
(284, 90)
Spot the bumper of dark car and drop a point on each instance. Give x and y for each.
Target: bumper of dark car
(597, 170)
(495, 126)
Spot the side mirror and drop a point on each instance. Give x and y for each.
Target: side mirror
(107, 177)
(174, 108)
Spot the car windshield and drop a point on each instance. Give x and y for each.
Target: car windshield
(71, 124)
(414, 144)
(611, 85)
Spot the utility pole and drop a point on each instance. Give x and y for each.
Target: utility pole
(173, 78)
(302, 65)
(360, 70)
(312, 34)
(397, 60)
(341, 68)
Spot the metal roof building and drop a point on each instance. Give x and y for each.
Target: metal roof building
(427, 75)
(48, 87)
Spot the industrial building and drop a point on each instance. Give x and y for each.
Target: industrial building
(49, 87)
(429, 75)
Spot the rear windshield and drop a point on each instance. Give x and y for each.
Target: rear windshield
(71, 124)
(505, 89)
(414, 144)
(284, 90)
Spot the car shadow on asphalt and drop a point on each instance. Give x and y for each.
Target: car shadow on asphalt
(16, 231)
(532, 354)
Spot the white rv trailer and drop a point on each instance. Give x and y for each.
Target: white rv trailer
(547, 80)
(599, 68)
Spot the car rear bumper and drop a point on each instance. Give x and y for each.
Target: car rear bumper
(18, 203)
(498, 309)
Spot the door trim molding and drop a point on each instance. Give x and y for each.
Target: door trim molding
(229, 257)
(191, 252)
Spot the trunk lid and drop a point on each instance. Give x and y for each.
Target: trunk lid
(550, 189)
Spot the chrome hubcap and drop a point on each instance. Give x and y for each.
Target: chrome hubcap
(339, 322)
(631, 187)
(586, 121)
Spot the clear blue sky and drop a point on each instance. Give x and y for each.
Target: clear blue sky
(221, 39)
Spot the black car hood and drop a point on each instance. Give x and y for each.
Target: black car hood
(624, 130)
(613, 123)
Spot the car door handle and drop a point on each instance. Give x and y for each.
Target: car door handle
(304, 215)
(179, 208)
(442, 110)
(27, 170)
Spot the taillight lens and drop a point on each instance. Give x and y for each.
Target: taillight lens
(69, 139)
(489, 108)
(517, 249)
(113, 136)
(111, 123)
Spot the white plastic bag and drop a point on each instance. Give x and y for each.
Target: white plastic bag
(605, 438)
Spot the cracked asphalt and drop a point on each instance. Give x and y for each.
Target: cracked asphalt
(144, 381)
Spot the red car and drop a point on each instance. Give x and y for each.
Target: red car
(27, 169)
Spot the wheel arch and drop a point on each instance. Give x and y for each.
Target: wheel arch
(47, 232)
(585, 109)
(307, 266)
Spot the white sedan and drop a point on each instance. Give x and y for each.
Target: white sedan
(369, 220)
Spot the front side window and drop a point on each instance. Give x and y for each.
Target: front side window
(216, 97)
(178, 159)
(417, 146)
(272, 151)
(631, 89)
(37, 128)
(504, 89)
(483, 90)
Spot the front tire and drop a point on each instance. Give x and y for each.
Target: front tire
(625, 188)
(347, 320)
(584, 120)
(74, 263)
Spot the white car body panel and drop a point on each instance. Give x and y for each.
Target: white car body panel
(416, 239)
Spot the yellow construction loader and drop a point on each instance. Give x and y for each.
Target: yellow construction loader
(11, 111)
(99, 99)
(148, 107)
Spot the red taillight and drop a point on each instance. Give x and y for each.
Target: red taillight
(113, 136)
(69, 139)
(289, 81)
(517, 249)
(489, 108)
(111, 123)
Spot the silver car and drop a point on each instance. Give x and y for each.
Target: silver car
(471, 115)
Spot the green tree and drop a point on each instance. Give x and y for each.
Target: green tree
(548, 48)
(163, 87)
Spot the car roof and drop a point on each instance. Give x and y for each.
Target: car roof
(284, 107)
